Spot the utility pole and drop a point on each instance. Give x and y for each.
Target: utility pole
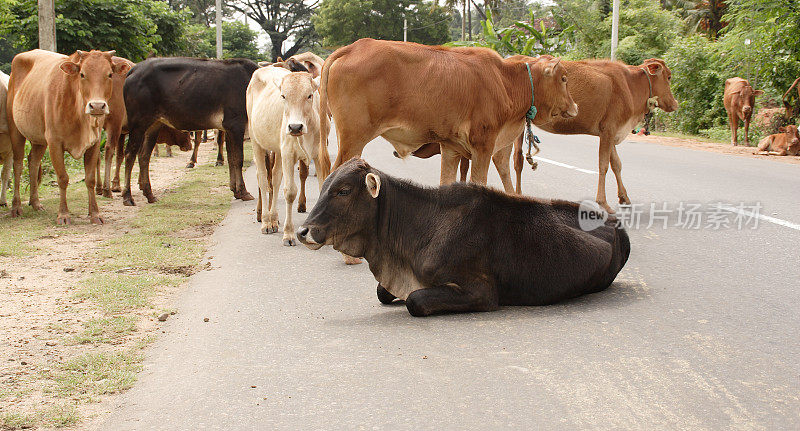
(469, 19)
(463, 19)
(219, 29)
(614, 30)
(405, 30)
(47, 25)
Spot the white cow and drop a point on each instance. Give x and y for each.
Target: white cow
(5, 140)
(283, 115)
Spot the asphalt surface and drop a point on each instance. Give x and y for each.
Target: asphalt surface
(700, 330)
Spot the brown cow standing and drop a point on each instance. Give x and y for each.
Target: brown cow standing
(786, 143)
(469, 100)
(739, 100)
(199, 135)
(612, 98)
(59, 103)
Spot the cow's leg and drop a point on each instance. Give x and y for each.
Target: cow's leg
(18, 155)
(234, 145)
(463, 165)
(270, 167)
(112, 141)
(7, 160)
(478, 295)
(144, 165)
(480, 166)
(301, 202)
(501, 163)
(168, 149)
(747, 131)
(277, 175)
(34, 166)
(450, 161)
(118, 159)
(57, 157)
(289, 193)
(518, 162)
(604, 158)
(90, 159)
(616, 167)
(193, 159)
(734, 121)
(384, 296)
(220, 142)
(262, 209)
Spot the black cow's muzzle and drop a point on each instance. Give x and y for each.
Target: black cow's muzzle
(306, 238)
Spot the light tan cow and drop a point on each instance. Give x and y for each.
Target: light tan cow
(283, 115)
(786, 143)
(60, 104)
(470, 101)
(739, 100)
(6, 155)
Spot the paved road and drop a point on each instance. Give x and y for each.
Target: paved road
(699, 331)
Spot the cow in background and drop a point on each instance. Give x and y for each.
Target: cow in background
(739, 100)
(283, 113)
(612, 98)
(786, 143)
(59, 104)
(6, 155)
(199, 137)
(186, 94)
(469, 100)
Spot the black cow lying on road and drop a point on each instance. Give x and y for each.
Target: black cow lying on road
(462, 247)
(187, 94)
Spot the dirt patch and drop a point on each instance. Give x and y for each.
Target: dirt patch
(716, 147)
(48, 327)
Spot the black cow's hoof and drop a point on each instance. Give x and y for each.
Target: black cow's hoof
(151, 199)
(245, 196)
(384, 296)
(301, 208)
(189, 165)
(219, 163)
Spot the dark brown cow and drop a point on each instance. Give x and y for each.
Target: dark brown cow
(612, 98)
(786, 143)
(59, 103)
(520, 251)
(469, 100)
(739, 100)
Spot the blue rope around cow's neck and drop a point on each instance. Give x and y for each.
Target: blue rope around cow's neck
(532, 111)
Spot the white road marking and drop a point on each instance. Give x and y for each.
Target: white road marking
(761, 216)
(766, 218)
(564, 165)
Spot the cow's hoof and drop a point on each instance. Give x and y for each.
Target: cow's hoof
(384, 296)
(99, 191)
(623, 200)
(258, 217)
(189, 165)
(107, 193)
(289, 242)
(63, 220)
(350, 260)
(219, 163)
(151, 199)
(606, 207)
(97, 220)
(128, 202)
(37, 206)
(266, 229)
(16, 211)
(116, 188)
(301, 208)
(245, 196)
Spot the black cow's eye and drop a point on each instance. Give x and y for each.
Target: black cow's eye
(309, 96)
(82, 75)
(343, 192)
(110, 75)
(282, 96)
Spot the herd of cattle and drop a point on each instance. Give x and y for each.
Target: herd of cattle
(469, 104)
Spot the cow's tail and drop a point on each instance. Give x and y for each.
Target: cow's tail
(325, 115)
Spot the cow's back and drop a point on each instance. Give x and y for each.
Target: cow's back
(730, 97)
(36, 81)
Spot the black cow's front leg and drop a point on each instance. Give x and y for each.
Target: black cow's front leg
(475, 296)
(384, 296)
(234, 146)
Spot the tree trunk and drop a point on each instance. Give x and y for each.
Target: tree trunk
(277, 40)
(463, 19)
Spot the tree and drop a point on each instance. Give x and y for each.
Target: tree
(340, 22)
(706, 15)
(282, 20)
(238, 41)
(134, 28)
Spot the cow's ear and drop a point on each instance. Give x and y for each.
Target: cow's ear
(373, 184)
(312, 68)
(782, 129)
(264, 63)
(121, 68)
(70, 68)
(654, 68)
(315, 81)
(758, 92)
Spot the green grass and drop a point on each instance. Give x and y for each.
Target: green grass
(116, 293)
(686, 136)
(105, 330)
(57, 416)
(90, 375)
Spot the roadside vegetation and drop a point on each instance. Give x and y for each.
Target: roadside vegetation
(110, 312)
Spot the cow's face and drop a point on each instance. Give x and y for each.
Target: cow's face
(660, 77)
(792, 139)
(345, 213)
(748, 97)
(93, 72)
(297, 92)
(550, 89)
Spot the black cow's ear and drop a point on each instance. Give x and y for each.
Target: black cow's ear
(373, 184)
